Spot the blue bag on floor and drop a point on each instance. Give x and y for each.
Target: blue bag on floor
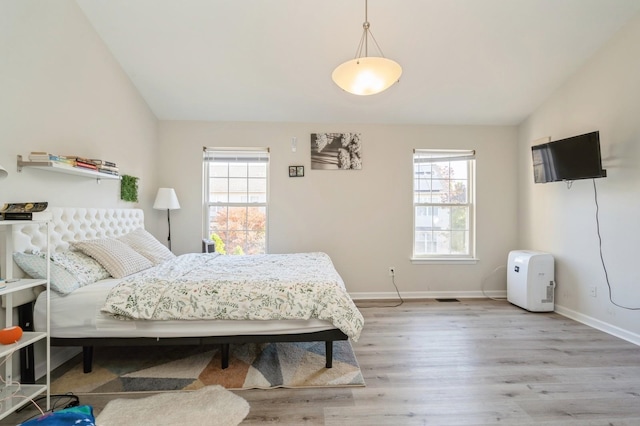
(81, 415)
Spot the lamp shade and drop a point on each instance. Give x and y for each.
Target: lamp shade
(367, 75)
(3, 172)
(166, 199)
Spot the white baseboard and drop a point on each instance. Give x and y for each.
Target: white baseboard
(598, 325)
(430, 295)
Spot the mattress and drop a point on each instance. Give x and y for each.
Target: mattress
(78, 315)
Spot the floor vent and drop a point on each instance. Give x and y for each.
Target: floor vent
(447, 300)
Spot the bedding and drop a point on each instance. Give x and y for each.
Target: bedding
(255, 287)
(116, 257)
(147, 245)
(35, 265)
(78, 315)
(69, 270)
(78, 319)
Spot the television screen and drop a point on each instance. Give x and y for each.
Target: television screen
(573, 158)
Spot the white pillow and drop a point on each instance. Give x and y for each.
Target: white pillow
(86, 269)
(35, 265)
(147, 245)
(116, 257)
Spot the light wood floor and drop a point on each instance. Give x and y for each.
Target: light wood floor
(473, 362)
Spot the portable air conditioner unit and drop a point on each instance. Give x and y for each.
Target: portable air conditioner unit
(530, 280)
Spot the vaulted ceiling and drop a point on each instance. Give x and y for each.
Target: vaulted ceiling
(488, 62)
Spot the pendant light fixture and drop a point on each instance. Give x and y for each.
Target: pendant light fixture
(367, 75)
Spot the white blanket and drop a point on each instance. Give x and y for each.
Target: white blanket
(255, 287)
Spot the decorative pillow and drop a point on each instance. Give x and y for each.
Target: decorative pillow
(147, 245)
(86, 269)
(35, 265)
(116, 257)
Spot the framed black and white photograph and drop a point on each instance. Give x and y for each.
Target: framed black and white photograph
(336, 151)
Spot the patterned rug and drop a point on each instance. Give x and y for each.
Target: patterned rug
(251, 366)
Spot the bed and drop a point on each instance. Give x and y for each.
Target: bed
(99, 313)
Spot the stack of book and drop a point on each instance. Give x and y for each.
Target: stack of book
(58, 159)
(25, 211)
(39, 156)
(106, 167)
(85, 163)
(101, 166)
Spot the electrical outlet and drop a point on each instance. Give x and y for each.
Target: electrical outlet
(593, 291)
(392, 271)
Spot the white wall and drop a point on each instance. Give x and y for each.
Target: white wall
(604, 95)
(63, 92)
(362, 219)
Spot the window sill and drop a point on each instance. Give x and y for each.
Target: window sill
(445, 261)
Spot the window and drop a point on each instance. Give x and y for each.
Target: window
(443, 204)
(235, 199)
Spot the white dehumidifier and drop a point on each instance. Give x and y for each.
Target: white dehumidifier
(530, 280)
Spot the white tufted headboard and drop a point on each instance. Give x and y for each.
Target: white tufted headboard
(68, 224)
(74, 224)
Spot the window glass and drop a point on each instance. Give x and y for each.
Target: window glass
(235, 199)
(444, 211)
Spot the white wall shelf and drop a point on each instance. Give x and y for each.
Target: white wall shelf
(12, 395)
(53, 166)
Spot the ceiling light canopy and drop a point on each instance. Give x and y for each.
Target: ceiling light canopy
(367, 75)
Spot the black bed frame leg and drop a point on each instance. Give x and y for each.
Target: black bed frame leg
(224, 355)
(328, 347)
(87, 358)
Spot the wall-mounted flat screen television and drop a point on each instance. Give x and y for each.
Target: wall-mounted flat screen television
(568, 159)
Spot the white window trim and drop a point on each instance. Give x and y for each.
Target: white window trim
(444, 261)
(448, 155)
(205, 189)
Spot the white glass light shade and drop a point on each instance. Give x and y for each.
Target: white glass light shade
(3, 173)
(367, 75)
(166, 199)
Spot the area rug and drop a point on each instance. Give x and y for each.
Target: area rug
(211, 405)
(251, 366)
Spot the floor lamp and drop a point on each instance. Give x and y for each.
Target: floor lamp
(166, 198)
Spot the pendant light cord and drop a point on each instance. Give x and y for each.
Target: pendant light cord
(366, 32)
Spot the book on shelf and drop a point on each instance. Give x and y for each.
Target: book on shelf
(83, 165)
(26, 216)
(64, 161)
(35, 206)
(98, 162)
(85, 160)
(25, 211)
(39, 156)
(110, 168)
(109, 172)
(44, 157)
(102, 166)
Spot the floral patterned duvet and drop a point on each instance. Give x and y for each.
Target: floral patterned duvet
(257, 287)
